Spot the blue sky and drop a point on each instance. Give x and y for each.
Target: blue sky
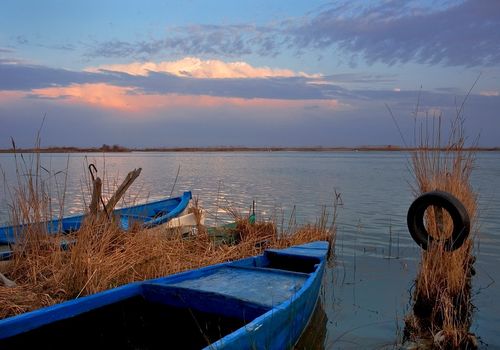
(251, 73)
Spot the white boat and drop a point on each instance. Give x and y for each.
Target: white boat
(184, 223)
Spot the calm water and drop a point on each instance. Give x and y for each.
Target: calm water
(368, 292)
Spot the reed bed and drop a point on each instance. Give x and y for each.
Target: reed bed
(442, 308)
(102, 256)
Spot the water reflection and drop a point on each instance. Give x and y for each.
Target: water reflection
(314, 335)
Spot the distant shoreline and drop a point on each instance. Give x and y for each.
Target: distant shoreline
(121, 149)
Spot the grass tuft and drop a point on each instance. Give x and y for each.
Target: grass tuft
(442, 308)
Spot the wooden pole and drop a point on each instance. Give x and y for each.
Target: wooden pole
(122, 189)
(96, 196)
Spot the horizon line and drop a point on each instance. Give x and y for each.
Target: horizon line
(122, 149)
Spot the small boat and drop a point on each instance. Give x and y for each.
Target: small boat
(228, 233)
(147, 215)
(184, 224)
(261, 302)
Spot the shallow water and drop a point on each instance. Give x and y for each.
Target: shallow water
(367, 293)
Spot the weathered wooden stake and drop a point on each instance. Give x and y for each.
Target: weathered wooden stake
(96, 196)
(122, 189)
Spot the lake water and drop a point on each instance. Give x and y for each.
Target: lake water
(367, 293)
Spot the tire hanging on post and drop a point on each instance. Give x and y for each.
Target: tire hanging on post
(446, 201)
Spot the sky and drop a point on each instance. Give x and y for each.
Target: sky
(246, 73)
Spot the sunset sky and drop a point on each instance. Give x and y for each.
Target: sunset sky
(245, 73)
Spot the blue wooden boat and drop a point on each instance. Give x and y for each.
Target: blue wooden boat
(147, 215)
(262, 302)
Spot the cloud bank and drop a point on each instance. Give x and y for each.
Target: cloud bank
(392, 32)
(202, 69)
(238, 80)
(176, 104)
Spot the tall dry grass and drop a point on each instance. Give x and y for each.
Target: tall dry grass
(103, 256)
(442, 307)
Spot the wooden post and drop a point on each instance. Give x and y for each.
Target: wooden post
(96, 196)
(122, 189)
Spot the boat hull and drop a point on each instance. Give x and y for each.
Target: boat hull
(146, 215)
(263, 302)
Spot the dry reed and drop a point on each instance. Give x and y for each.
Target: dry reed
(103, 256)
(442, 308)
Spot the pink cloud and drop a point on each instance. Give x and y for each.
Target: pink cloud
(129, 100)
(102, 95)
(202, 69)
(9, 96)
(490, 93)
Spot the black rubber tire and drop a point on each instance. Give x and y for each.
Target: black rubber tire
(457, 211)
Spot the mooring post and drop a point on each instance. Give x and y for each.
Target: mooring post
(96, 196)
(122, 189)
